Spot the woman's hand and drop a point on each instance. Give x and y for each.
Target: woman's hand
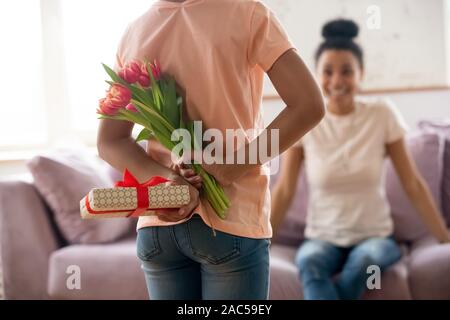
(188, 174)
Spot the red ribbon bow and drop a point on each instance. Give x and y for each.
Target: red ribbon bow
(142, 192)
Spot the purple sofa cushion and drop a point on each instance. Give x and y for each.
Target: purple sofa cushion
(108, 272)
(63, 180)
(26, 241)
(427, 151)
(284, 280)
(429, 267)
(292, 228)
(442, 128)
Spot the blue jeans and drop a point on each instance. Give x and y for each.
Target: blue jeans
(318, 261)
(186, 262)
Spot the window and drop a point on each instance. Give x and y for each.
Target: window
(52, 76)
(92, 31)
(22, 119)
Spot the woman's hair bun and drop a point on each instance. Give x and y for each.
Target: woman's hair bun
(340, 28)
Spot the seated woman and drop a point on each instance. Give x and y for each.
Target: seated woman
(349, 225)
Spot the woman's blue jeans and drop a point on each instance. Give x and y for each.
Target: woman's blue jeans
(318, 261)
(186, 261)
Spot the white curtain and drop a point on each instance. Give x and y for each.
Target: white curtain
(22, 118)
(92, 30)
(51, 75)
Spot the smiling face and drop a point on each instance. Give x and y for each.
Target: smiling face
(340, 74)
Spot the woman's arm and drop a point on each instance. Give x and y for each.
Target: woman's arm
(117, 147)
(285, 188)
(417, 190)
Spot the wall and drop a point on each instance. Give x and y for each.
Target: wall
(414, 106)
(404, 40)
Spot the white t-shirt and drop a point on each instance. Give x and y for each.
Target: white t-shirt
(344, 158)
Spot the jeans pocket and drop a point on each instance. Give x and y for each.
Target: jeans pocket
(213, 249)
(147, 243)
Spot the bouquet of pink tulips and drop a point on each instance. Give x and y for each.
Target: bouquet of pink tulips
(139, 93)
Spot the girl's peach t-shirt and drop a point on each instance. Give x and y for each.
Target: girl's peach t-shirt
(218, 51)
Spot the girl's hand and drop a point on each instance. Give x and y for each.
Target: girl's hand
(188, 174)
(225, 174)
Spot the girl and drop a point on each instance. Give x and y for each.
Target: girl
(218, 51)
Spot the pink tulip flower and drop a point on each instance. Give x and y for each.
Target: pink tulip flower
(131, 107)
(106, 107)
(131, 72)
(144, 80)
(156, 70)
(119, 95)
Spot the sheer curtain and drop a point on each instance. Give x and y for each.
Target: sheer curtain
(51, 75)
(22, 116)
(92, 30)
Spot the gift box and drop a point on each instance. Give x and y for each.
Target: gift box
(131, 199)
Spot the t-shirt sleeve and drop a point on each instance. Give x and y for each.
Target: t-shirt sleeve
(268, 39)
(118, 64)
(396, 126)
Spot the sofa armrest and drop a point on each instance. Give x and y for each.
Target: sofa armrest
(429, 267)
(27, 239)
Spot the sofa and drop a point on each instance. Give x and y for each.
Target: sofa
(44, 258)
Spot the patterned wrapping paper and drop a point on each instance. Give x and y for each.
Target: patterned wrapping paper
(125, 201)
